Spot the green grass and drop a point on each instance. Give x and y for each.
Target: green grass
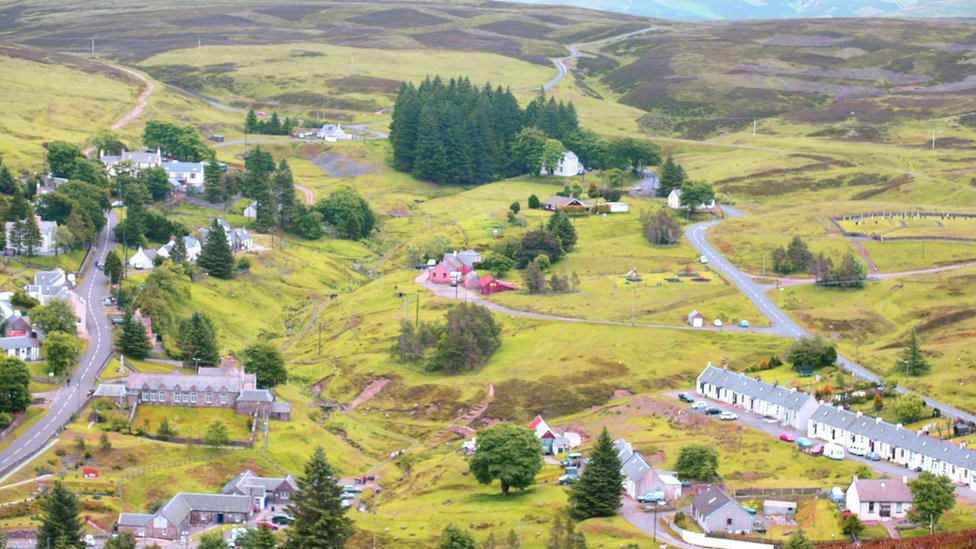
(192, 422)
(33, 415)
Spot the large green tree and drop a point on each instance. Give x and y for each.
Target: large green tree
(134, 341)
(507, 453)
(216, 257)
(198, 340)
(61, 351)
(320, 518)
(812, 352)
(454, 537)
(283, 192)
(912, 362)
(636, 153)
(348, 212)
(909, 408)
(113, 267)
(552, 154)
(536, 243)
(697, 462)
(61, 157)
(57, 315)
(30, 238)
(108, 142)
(597, 492)
(212, 540)
(14, 385)
(469, 338)
(60, 520)
(696, 193)
(124, 540)
(216, 434)
(266, 362)
(932, 495)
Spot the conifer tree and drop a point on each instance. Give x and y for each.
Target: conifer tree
(216, 257)
(60, 520)
(533, 279)
(113, 267)
(597, 493)
(198, 341)
(8, 185)
(134, 341)
(31, 239)
(264, 217)
(672, 177)
(560, 226)
(320, 518)
(251, 122)
(912, 361)
(212, 175)
(283, 188)
(178, 253)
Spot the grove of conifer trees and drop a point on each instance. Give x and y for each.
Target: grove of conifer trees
(453, 132)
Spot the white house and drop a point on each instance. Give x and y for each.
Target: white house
(788, 406)
(568, 166)
(22, 347)
(48, 231)
(238, 239)
(696, 320)
(879, 499)
(136, 160)
(189, 174)
(48, 284)
(192, 245)
(333, 133)
(251, 211)
(638, 475)
(674, 201)
(142, 259)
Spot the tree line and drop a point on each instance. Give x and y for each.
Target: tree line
(272, 126)
(465, 341)
(797, 258)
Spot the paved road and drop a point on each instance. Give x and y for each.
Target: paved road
(70, 398)
(781, 323)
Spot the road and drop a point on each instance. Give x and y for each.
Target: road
(70, 398)
(561, 63)
(141, 101)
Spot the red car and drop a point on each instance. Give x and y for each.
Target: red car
(788, 437)
(268, 525)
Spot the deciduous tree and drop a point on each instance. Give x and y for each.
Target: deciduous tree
(812, 352)
(14, 385)
(456, 538)
(216, 434)
(507, 453)
(697, 462)
(61, 157)
(660, 228)
(909, 408)
(57, 315)
(266, 362)
(932, 495)
(61, 351)
(696, 193)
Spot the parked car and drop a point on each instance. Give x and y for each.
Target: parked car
(699, 405)
(352, 489)
(703, 259)
(89, 540)
(573, 459)
(717, 322)
(787, 437)
(268, 525)
(654, 496)
(281, 520)
(743, 323)
(685, 397)
(873, 456)
(816, 450)
(712, 411)
(760, 529)
(728, 416)
(567, 479)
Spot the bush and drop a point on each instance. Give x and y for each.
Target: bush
(5, 420)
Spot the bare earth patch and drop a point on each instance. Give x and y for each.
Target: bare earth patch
(339, 166)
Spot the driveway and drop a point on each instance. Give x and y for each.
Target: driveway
(71, 398)
(643, 521)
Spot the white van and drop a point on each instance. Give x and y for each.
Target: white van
(858, 450)
(833, 451)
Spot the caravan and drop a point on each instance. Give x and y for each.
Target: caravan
(833, 451)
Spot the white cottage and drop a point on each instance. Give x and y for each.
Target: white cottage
(788, 406)
(879, 499)
(674, 201)
(568, 166)
(142, 259)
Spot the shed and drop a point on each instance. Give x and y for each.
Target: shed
(776, 507)
(490, 285)
(618, 207)
(696, 320)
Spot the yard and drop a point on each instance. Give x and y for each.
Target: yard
(192, 422)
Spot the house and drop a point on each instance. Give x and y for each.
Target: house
(142, 259)
(568, 166)
(696, 320)
(618, 207)
(191, 244)
(454, 267)
(788, 406)
(674, 202)
(251, 211)
(225, 386)
(48, 243)
(48, 284)
(667, 482)
(545, 435)
(472, 280)
(566, 442)
(557, 202)
(637, 472)
(185, 511)
(715, 511)
(189, 174)
(88, 472)
(490, 285)
(16, 325)
(879, 499)
(22, 347)
(133, 161)
(238, 239)
(332, 133)
(264, 490)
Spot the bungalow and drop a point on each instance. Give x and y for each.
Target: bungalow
(142, 259)
(788, 406)
(674, 202)
(715, 511)
(191, 244)
(490, 285)
(637, 473)
(238, 239)
(189, 174)
(134, 161)
(568, 166)
(879, 499)
(264, 490)
(542, 432)
(22, 347)
(557, 202)
(333, 133)
(696, 320)
(185, 511)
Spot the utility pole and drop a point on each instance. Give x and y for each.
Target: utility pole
(198, 42)
(320, 339)
(933, 139)
(417, 321)
(374, 518)
(405, 299)
(764, 265)
(754, 123)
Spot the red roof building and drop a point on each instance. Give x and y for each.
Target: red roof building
(491, 285)
(88, 472)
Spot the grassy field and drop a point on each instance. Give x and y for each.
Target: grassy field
(190, 422)
(915, 227)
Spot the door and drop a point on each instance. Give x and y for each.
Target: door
(885, 510)
(220, 518)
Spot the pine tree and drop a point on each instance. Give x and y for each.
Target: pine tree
(134, 341)
(251, 122)
(597, 493)
(113, 267)
(320, 519)
(216, 257)
(8, 185)
(178, 253)
(262, 538)
(560, 226)
(15, 237)
(283, 188)
(60, 521)
(31, 238)
(264, 217)
(912, 361)
(198, 340)
(212, 175)
(672, 176)
(533, 279)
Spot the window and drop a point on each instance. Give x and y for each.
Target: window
(152, 397)
(162, 396)
(223, 399)
(728, 521)
(145, 396)
(898, 507)
(871, 507)
(186, 397)
(209, 398)
(193, 398)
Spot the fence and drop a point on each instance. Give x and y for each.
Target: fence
(748, 493)
(901, 215)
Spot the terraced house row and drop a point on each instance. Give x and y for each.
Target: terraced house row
(852, 430)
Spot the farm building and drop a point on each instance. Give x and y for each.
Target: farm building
(490, 285)
(696, 320)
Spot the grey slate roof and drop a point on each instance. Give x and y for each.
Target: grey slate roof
(154, 382)
(179, 507)
(623, 448)
(883, 490)
(134, 519)
(110, 390)
(635, 467)
(754, 388)
(248, 479)
(44, 278)
(280, 407)
(16, 342)
(255, 395)
(712, 500)
(833, 416)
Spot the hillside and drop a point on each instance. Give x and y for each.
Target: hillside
(775, 9)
